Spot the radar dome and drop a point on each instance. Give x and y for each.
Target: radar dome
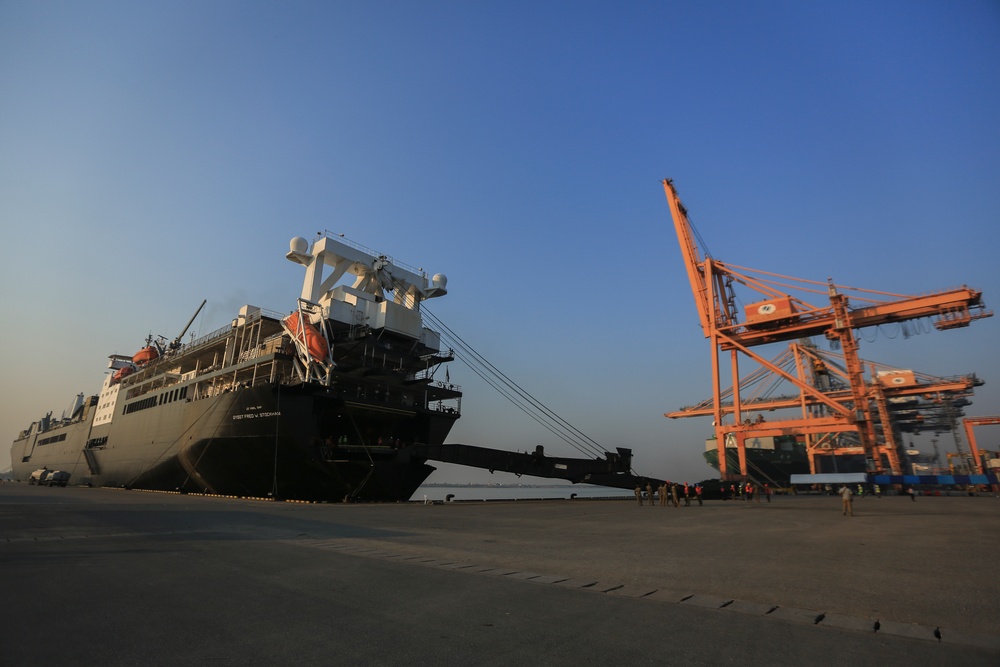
(439, 280)
(298, 245)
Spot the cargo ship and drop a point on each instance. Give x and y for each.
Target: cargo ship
(325, 402)
(776, 459)
(769, 459)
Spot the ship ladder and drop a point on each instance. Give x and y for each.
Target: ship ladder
(88, 454)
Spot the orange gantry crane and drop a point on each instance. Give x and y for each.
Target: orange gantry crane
(969, 423)
(776, 315)
(905, 401)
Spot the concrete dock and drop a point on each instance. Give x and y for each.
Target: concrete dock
(129, 577)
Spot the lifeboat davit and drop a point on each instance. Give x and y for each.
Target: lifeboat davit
(121, 374)
(315, 342)
(145, 355)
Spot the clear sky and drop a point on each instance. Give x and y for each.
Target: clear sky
(154, 154)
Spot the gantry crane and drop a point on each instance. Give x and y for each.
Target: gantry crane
(905, 401)
(779, 316)
(969, 423)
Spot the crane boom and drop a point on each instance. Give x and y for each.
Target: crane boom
(954, 308)
(700, 273)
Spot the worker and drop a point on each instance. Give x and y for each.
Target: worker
(697, 493)
(687, 495)
(878, 491)
(638, 494)
(649, 492)
(673, 494)
(845, 494)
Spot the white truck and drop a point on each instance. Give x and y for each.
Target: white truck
(46, 477)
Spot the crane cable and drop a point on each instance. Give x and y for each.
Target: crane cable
(514, 393)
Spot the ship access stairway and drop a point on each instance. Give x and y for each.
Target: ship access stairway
(614, 470)
(88, 455)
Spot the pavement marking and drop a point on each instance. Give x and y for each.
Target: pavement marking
(796, 615)
(751, 608)
(632, 591)
(910, 630)
(604, 587)
(667, 595)
(457, 566)
(707, 601)
(500, 572)
(845, 622)
(833, 620)
(576, 583)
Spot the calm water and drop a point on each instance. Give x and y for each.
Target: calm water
(514, 492)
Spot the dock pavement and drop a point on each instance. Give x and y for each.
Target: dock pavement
(130, 577)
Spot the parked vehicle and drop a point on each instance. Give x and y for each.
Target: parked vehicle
(46, 477)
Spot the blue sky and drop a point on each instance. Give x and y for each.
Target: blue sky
(156, 154)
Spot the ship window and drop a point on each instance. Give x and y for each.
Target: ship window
(143, 404)
(55, 438)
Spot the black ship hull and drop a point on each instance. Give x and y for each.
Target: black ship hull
(777, 466)
(272, 441)
(765, 465)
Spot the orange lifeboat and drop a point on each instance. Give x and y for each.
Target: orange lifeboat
(121, 374)
(145, 355)
(314, 339)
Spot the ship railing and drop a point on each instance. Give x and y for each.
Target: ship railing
(446, 385)
(374, 253)
(443, 407)
(225, 330)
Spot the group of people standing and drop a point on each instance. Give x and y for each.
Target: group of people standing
(670, 493)
(748, 491)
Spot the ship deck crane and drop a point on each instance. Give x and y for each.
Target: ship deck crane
(779, 316)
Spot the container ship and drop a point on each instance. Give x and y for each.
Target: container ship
(776, 459)
(326, 402)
